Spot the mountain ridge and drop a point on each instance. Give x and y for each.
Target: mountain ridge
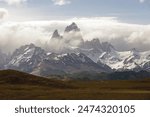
(98, 56)
(35, 60)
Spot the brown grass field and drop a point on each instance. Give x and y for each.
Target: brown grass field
(21, 86)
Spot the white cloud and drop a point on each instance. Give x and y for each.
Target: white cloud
(124, 36)
(13, 2)
(18, 2)
(61, 2)
(141, 1)
(3, 13)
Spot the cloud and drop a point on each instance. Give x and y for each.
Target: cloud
(122, 35)
(141, 1)
(3, 13)
(13, 2)
(18, 2)
(61, 2)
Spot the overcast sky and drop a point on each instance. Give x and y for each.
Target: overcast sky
(124, 23)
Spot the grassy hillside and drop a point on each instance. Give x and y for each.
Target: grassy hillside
(18, 85)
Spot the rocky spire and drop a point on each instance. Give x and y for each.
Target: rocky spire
(56, 35)
(72, 27)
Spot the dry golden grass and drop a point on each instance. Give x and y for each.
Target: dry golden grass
(18, 85)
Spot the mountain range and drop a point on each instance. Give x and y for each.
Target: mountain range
(72, 54)
(35, 60)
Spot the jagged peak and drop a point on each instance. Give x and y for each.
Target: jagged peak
(56, 35)
(72, 27)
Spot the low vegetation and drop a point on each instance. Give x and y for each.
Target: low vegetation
(18, 85)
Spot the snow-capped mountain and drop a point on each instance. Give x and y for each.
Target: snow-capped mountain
(88, 56)
(72, 42)
(26, 58)
(69, 63)
(106, 54)
(127, 60)
(94, 48)
(35, 60)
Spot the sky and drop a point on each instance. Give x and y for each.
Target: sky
(132, 11)
(124, 23)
